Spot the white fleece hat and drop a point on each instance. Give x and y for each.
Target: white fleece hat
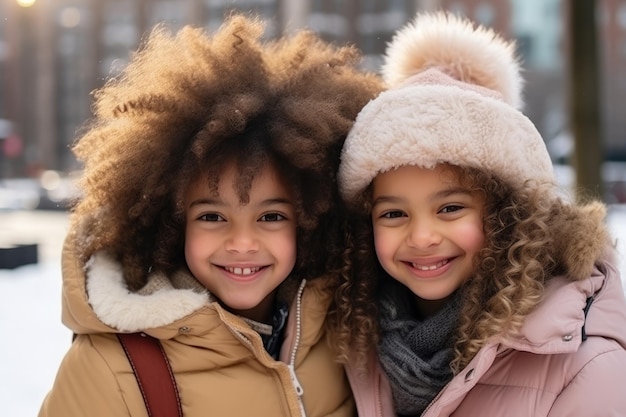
(453, 98)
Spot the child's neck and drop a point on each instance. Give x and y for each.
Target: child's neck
(426, 308)
(262, 313)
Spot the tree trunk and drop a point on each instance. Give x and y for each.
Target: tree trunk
(585, 99)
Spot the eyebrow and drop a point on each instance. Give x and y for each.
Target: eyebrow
(218, 202)
(451, 191)
(386, 199)
(440, 194)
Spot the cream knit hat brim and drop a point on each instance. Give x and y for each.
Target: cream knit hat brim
(431, 117)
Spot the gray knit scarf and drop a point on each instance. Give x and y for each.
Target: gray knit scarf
(415, 354)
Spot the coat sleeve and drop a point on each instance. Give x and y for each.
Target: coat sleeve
(597, 390)
(87, 384)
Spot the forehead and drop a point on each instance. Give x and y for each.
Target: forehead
(409, 176)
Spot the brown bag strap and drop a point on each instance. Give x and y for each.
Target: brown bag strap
(154, 374)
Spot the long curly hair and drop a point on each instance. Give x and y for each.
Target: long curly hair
(531, 235)
(190, 102)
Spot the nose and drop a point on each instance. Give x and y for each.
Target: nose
(241, 239)
(423, 234)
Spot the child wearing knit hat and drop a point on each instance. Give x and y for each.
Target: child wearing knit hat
(477, 288)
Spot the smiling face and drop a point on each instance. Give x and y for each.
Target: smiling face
(241, 252)
(427, 230)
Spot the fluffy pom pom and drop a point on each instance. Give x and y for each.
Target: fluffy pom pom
(453, 45)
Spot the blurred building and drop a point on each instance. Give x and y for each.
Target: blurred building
(55, 52)
(612, 18)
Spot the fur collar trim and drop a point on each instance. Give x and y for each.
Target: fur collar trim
(161, 302)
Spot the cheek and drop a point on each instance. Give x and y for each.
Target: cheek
(294, 246)
(190, 248)
(385, 246)
(291, 252)
(286, 246)
(473, 237)
(195, 246)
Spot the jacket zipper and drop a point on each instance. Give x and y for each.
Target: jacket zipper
(475, 378)
(292, 360)
(434, 400)
(379, 406)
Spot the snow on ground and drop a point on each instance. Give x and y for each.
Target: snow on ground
(33, 338)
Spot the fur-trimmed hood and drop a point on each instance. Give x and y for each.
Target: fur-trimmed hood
(581, 239)
(564, 302)
(160, 302)
(96, 298)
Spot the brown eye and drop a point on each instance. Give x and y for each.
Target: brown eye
(392, 214)
(211, 217)
(451, 209)
(272, 217)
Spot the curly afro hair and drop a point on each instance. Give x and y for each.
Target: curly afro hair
(187, 104)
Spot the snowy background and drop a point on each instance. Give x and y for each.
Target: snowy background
(33, 338)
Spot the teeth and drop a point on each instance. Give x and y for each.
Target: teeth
(242, 271)
(430, 267)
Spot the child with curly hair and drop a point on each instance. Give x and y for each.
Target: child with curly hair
(477, 288)
(210, 220)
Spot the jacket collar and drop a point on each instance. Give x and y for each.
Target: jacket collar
(560, 322)
(161, 302)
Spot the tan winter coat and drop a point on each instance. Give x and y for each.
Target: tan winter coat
(220, 364)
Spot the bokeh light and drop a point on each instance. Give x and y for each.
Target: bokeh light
(25, 3)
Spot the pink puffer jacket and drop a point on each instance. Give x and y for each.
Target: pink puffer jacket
(547, 371)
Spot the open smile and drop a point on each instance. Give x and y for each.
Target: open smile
(242, 271)
(430, 267)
